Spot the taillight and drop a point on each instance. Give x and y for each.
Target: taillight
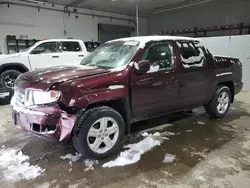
(239, 63)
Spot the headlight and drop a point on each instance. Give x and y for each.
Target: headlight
(37, 97)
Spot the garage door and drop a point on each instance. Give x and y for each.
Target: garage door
(110, 32)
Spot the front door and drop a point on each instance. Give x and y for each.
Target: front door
(156, 92)
(72, 52)
(45, 55)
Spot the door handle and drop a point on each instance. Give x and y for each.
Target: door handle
(56, 56)
(80, 55)
(145, 81)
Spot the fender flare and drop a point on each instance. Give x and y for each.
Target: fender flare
(13, 64)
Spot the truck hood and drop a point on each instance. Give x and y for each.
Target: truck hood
(45, 78)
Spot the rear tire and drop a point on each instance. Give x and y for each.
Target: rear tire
(99, 133)
(220, 103)
(8, 77)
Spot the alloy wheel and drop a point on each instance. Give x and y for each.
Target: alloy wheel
(9, 81)
(103, 135)
(223, 102)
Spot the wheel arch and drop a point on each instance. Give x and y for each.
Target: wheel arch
(230, 85)
(121, 105)
(16, 66)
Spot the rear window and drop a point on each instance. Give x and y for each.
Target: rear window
(71, 47)
(192, 54)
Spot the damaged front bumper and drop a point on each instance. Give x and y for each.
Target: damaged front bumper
(47, 121)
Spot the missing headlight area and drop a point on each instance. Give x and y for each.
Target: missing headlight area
(44, 129)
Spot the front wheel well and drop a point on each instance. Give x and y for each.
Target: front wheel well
(230, 85)
(13, 67)
(120, 105)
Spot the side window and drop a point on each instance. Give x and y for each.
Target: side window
(160, 57)
(192, 54)
(71, 47)
(45, 48)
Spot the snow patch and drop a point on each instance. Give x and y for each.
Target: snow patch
(179, 44)
(118, 69)
(85, 67)
(232, 108)
(133, 154)
(15, 168)
(71, 157)
(199, 111)
(144, 134)
(172, 52)
(116, 87)
(154, 68)
(192, 61)
(136, 66)
(188, 131)
(161, 127)
(89, 164)
(48, 132)
(224, 74)
(200, 176)
(145, 39)
(200, 123)
(169, 158)
(131, 43)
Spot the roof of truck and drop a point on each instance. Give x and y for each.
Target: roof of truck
(50, 40)
(145, 39)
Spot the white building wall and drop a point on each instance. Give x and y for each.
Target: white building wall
(233, 46)
(19, 20)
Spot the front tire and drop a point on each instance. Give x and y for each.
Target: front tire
(8, 77)
(220, 103)
(99, 133)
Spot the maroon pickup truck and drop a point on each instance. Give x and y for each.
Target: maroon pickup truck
(122, 82)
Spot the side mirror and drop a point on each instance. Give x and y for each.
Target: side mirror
(37, 50)
(142, 66)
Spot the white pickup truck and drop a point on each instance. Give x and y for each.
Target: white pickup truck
(43, 54)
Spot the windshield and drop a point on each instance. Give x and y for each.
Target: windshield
(112, 55)
(27, 49)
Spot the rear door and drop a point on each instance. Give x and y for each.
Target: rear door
(72, 52)
(45, 55)
(197, 77)
(155, 92)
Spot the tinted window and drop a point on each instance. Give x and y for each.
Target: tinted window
(192, 54)
(71, 47)
(160, 57)
(45, 48)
